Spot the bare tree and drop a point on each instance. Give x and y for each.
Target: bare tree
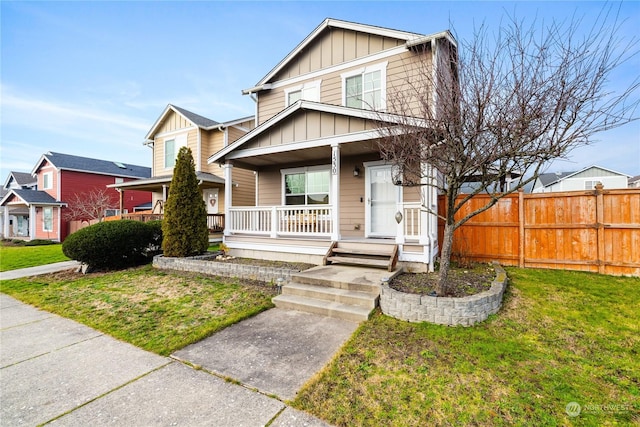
(90, 205)
(500, 107)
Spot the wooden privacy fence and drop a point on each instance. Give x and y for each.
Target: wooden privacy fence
(596, 231)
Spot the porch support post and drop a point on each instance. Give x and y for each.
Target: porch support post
(228, 184)
(335, 192)
(121, 197)
(5, 222)
(32, 221)
(400, 237)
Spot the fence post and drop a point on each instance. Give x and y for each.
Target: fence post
(521, 228)
(600, 226)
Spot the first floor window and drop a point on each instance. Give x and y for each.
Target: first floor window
(47, 219)
(306, 187)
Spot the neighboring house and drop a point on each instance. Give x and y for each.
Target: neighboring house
(59, 178)
(177, 127)
(634, 182)
(321, 180)
(584, 179)
(18, 221)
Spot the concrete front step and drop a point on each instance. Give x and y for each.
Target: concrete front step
(324, 308)
(343, 296)
(345, 277)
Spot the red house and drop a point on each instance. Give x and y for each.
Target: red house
(62, 179)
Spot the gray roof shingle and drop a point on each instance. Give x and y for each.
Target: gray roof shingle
(105, 167)
(36, 197)
(197, 119)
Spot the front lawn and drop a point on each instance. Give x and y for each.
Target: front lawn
(561, 337)
(14, 257)
(154, 310)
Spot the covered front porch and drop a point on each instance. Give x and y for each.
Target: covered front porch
(316, 187)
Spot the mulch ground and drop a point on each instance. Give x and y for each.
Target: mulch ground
(462, 281)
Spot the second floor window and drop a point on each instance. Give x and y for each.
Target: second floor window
(171, 148)
(47, 181)
(365, 88)
(309, 91)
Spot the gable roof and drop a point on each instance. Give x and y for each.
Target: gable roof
(411, 39)
(547, 179)
(313, 106)
(21, 178)
(85, 164)
(32, 197)
(197, 120)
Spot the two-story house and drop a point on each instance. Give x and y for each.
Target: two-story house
(322, 186)
(18, 223)
(59, 180)
(176, 128)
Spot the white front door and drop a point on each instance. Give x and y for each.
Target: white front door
(211, 199)
(381, 202)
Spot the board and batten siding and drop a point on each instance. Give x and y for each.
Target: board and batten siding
(309, 125)
(335, 46)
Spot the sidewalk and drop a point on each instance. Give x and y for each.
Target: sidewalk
(41, 269)
(54, 369)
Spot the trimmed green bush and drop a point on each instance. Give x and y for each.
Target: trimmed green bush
(184, 226)
(113, 244)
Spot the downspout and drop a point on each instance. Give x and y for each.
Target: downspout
(429, 199)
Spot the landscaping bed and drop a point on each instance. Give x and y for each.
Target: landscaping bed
(462, 281)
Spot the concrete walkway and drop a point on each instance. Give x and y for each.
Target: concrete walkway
(53, 369)
(41, 269)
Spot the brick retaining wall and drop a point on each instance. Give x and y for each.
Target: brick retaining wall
(205, 264)
(443, 310)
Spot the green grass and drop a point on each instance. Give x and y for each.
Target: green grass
(157, 311)
(14, 257)
(561, 337)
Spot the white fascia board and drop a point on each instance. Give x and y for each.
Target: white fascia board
(150, 134)
(315, 106)
(385, 32)
(169, 107)
(428, 38)
(312, 143)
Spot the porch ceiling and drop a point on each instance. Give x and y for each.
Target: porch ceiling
(320, 154)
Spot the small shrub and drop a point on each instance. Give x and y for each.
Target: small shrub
(39, 242)
(156, 239)
(113, 244)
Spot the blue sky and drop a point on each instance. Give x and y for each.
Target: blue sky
(91, 78)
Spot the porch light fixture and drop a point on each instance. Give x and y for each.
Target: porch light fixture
(356, 171)
(398, 217)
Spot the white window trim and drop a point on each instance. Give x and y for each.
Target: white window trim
(316, 84)
(306, 169)
(382, 67)
(179, 141)
(44, 220)
(44, 181)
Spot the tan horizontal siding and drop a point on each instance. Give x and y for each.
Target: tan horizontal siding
(269, 188)
(244, 189)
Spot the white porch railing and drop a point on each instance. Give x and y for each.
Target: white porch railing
(315, 220)
(281, 220)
